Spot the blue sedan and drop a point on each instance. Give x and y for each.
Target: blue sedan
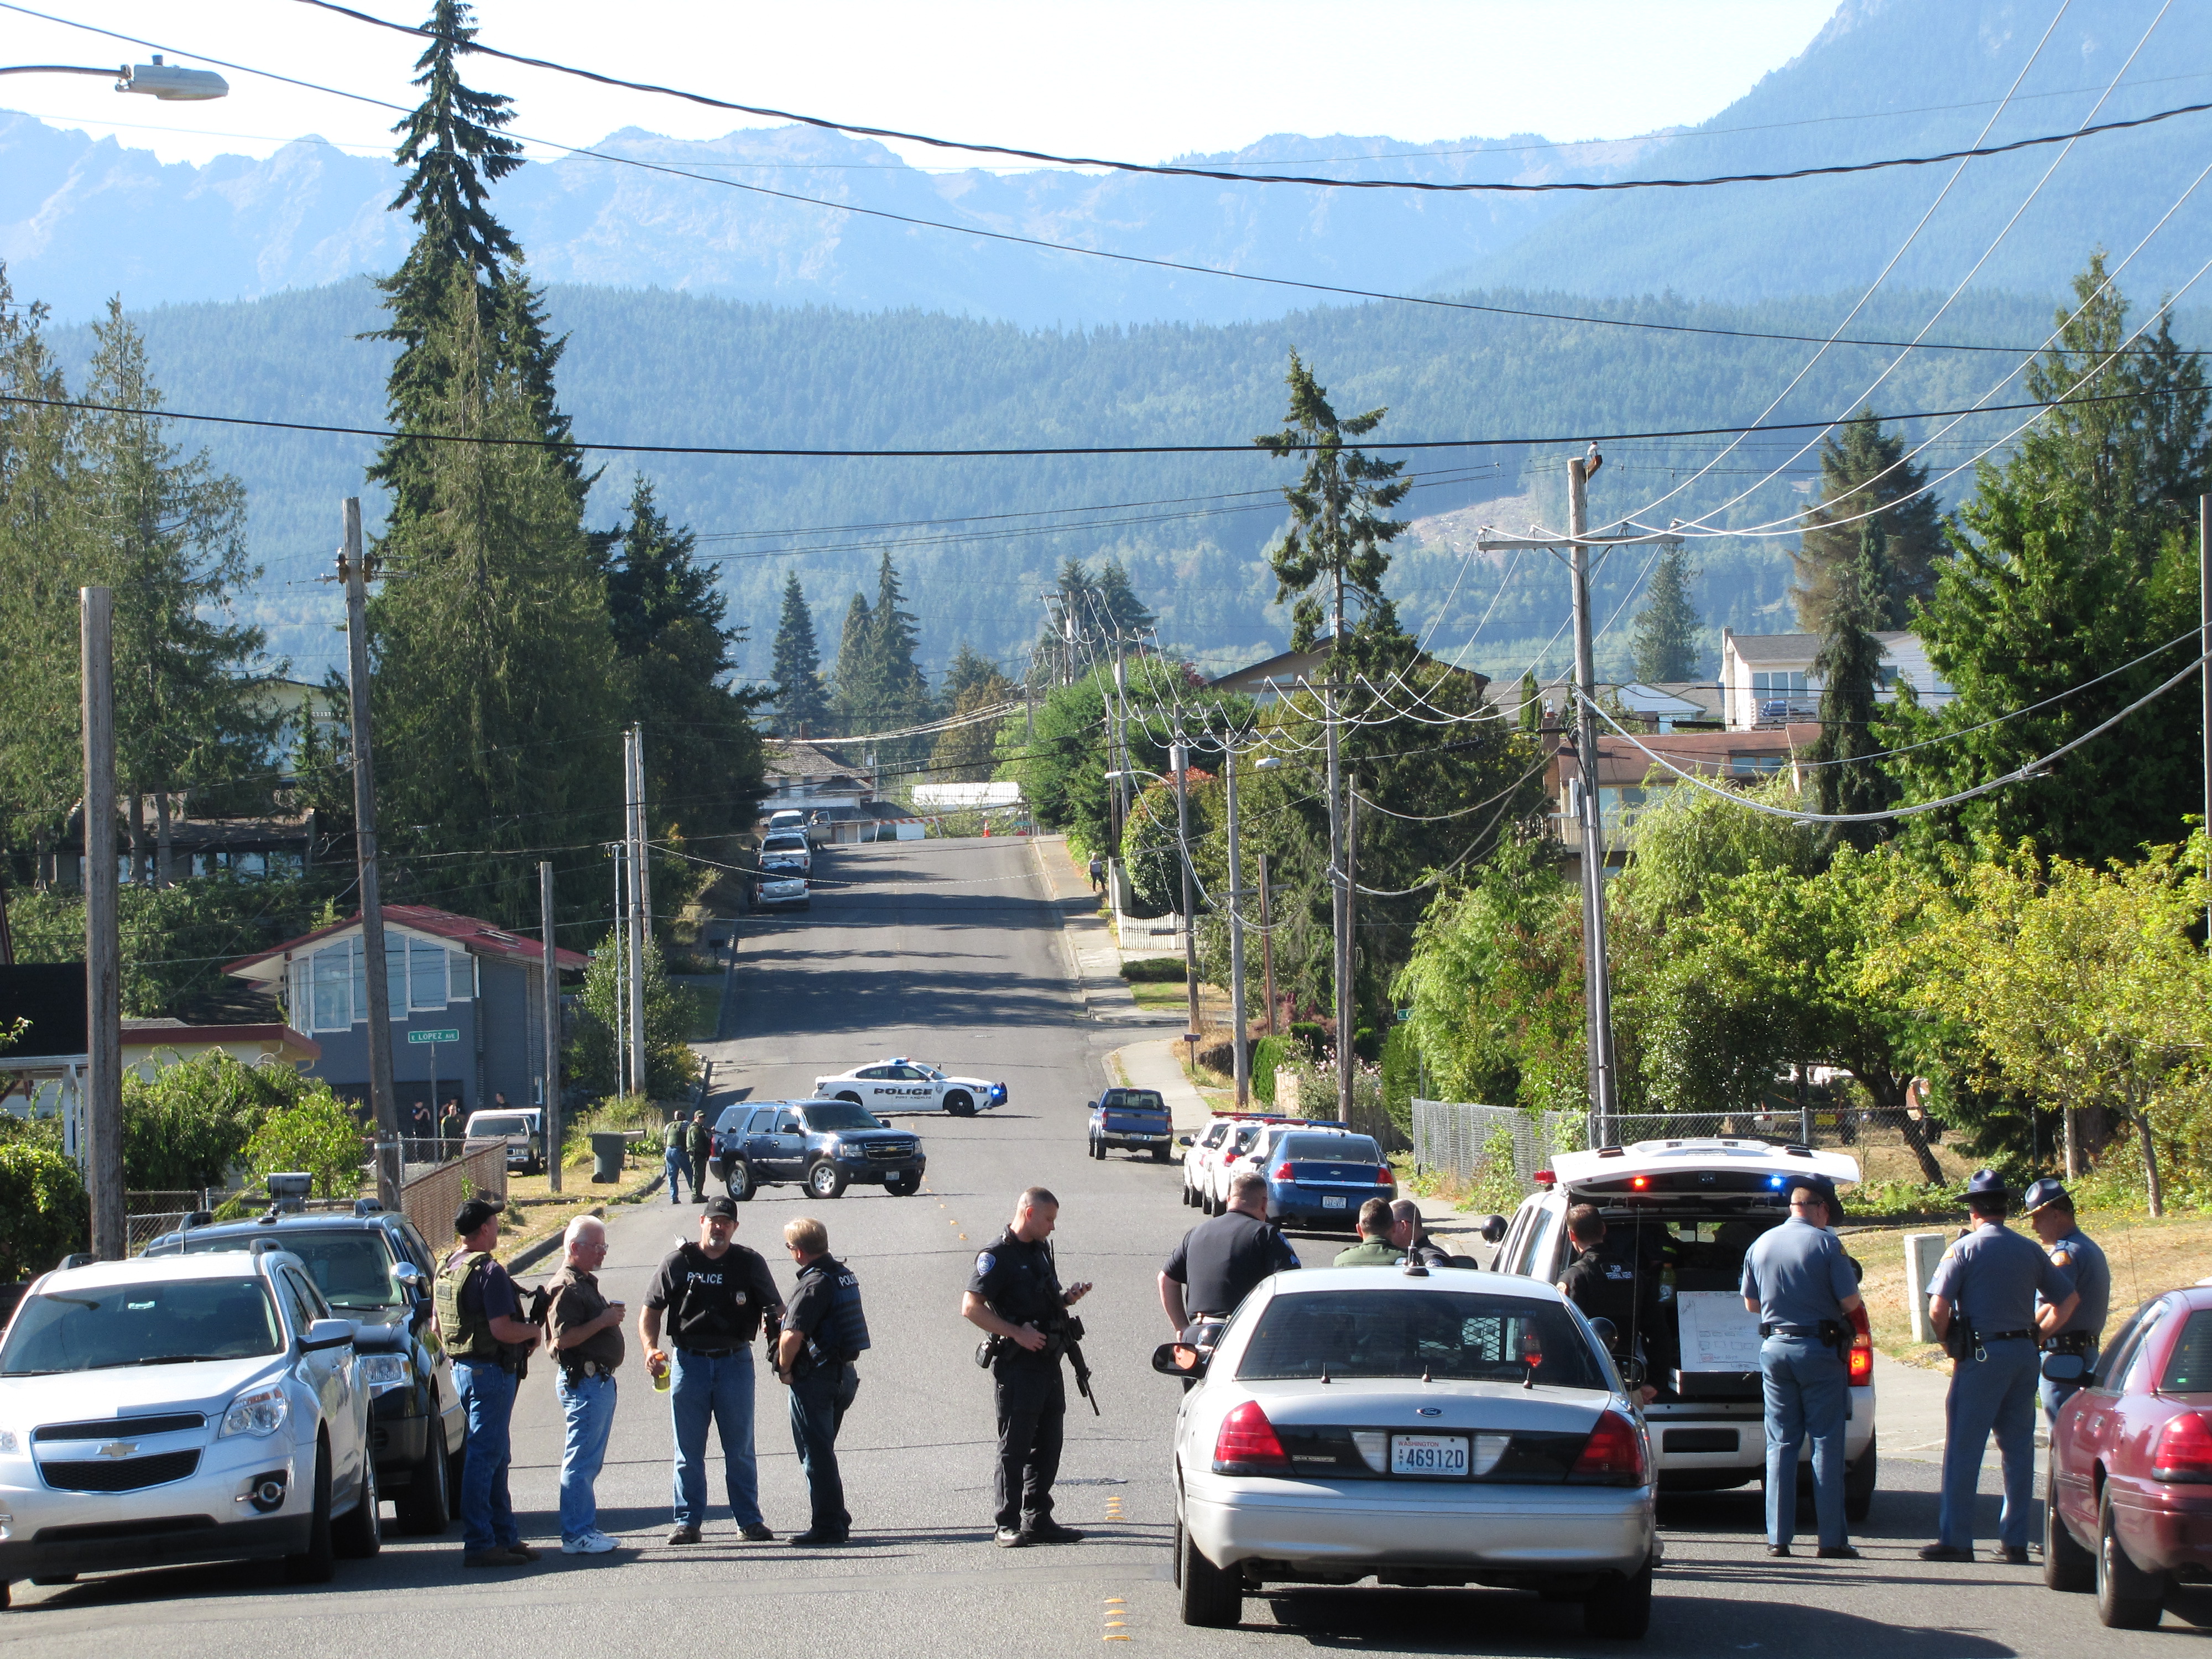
(1320, 1178)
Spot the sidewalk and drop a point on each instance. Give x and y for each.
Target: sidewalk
(1094, 965)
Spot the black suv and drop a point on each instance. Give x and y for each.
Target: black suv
(374, 1269)
(826, 1144)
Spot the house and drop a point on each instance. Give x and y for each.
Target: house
(1283, 672)
(800, 775)
(467, 1005)
(1767, 679)
(148, 1044)
(1628, 778)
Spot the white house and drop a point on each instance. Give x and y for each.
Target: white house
(1767, 679)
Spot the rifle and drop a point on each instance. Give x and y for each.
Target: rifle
(1067, 1333)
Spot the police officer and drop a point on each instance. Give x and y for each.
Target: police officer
(2069, 1347)
(698, 1141)
(1799, 1282)
(1218, 1261)
(1625, 1293)
(1015, 1295)
(824, 1331)
(480, 1323)
(676, 1157)
(1982, 1303)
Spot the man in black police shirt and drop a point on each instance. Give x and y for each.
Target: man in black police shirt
(1014, 1291)
(1218, 1261)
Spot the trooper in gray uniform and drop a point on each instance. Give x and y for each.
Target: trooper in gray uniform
(2069, 1345)
(1982, 1303)
(1799, 1282)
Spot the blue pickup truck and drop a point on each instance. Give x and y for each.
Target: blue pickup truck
(823, 1144)
(1134, 1119)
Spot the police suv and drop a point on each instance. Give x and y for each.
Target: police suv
(1687, 1211)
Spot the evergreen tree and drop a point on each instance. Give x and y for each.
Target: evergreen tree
(1532, 702)
(800, 701)
(855, 671)
(1666, 643)
(1118, 603)
(1864, 471)
(902, 689)
(1849, 665)
(967, 754)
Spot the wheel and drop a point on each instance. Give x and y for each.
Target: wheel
(2066, 1564)
(849, 1096)
(740, 1183)
(1211, 1599)
(825, 1180)
(960, 1104)
(1858, 1485)
(358, 1534)
(1160, 1154)
(2128, 1598)
(315, 1563)
(1621, 1609)
(902, 1186)
(1186, 1194)
(423, 1508)
(3, 1594)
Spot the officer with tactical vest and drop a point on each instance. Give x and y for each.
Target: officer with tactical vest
(824, 1331)
(675, 1158)
(2069, 1345)
(481, 1324)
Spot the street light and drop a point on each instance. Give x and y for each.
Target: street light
(156, 80)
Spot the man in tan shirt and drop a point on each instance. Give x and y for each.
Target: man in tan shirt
(584, 1331)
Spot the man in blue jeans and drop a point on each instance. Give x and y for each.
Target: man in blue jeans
(716, 1296)
(584, 1330)
(675, 1158)
(480, 1322)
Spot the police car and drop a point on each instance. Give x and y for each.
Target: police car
(900, 1085)
(1688, 1210)
(1208, 1154)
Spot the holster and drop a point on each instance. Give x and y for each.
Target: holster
(1959, 1335)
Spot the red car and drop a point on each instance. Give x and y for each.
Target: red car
(2128, 1511)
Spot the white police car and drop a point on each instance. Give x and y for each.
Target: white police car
(900, 1085)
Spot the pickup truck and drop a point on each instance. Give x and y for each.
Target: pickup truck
(822, 1144)
(1134, 1119)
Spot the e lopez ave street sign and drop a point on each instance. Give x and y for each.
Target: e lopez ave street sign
(450, 1034)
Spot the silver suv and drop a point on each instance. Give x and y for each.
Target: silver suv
(182, 1408)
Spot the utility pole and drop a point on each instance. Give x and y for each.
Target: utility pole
(1267, 944)
(1242, 1065)
(103, 955)
(549, 1098)
(1117, 748)
(1340, 924)
(634, 842)
(1597, 979)
(1182, 759)
(353, 570)
(1348, 1016)
(620, 850)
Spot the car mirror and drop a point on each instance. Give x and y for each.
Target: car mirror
(1182, 1140)
(411, 1279)
(1494, 1229)
(1179, 1359)
(1090, 1105)
(1631, 1371)
(326, 1333)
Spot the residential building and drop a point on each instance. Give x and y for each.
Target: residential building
(1284, 671)
(1629, 777)
(1767, 679)
(148, 1044)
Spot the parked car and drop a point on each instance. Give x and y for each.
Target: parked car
(1687, 1210)
(1380, 1423)
(785, 853)
(783, 893)
(374, 1269)
(789, 818)
(2128, 1510)
(1318, 1175)
(900, 1085)
(523, 1131)
(1136, 1120)
(1240, 1131)
(178, 1409)
(824, 1144)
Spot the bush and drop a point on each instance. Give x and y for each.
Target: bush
(1401, 1072)
(44, 1214)
(185, 1126)
(1312, 1038)
(670, 1064)
(317, 1134)
(1267, 1053)
(1155, 970)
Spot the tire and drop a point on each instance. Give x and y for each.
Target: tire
(2066, 1565)
(1211, 1599)
(740, 1184)
(358, 1535)
(315, 1563)
(903, 1186)
(2128, 1598)
(424, 1510)
(51, 1578)
(1859, 1483)
(961, 1105)
(1186, 1194)
(1621, 1610)
(1160, 1154)
(825, 1180)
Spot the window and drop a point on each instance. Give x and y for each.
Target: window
(332, 1006)
(460, 976)
(786, 1123)
(2112, 1365)
(1328, 1149)
(426, 974)
(351, 1269)
(1764, 684)
(874, 1074)
(114, 1325)
(1754, 766)
(2189, 1367)
(1460, 1335)
(1535, 1249)
(761, 1122)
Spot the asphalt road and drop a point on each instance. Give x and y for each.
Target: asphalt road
(952, 952)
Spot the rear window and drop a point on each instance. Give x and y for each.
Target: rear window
(789, 841)
(1333, 1149)
(2188, 1369)
(1136, 1100)
(1464, 1336)
(352, 1268)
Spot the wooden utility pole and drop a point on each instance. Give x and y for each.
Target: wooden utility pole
(1267, 944)
(103, 955)
(1181, 757)
(353, 570)
(634, 837)
(1597, 981)
(549, 1099)
(1242, 1062)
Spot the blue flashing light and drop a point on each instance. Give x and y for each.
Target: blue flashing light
(1774, 1181)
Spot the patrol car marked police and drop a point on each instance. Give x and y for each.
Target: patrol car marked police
(900, 1085)
(1688, 1210)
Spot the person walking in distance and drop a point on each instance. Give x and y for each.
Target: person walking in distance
(1213, 1269)
(584, 1331)
(698, 1141)
(676, 1157)
(1982, 1303)
(2069, 1347)
(1015, 1296)
(716, 1296)
(480, 1323)
(824, 1331)
(1799, 1282)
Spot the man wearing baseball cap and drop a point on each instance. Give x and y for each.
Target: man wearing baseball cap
(2069, 1345)
(1982, 1303)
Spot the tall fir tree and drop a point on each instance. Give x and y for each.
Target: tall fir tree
(1666, 641)
(973, 686)
(1864, 470)
(855, 671)
(800, 700)
(1118, 602)
(1848, 667)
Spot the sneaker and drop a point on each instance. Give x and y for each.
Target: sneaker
(758, 1532)
(591, 1543)
(684, 1535)
(1012, 1538)
(1049, 1531)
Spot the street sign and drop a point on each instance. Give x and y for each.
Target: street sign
(449, 1035)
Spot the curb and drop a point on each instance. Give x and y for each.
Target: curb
(523, 1260)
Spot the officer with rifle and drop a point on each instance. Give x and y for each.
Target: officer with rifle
(1015, 1296)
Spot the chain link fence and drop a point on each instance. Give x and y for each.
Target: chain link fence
(1467, 1141)
(147, 1216)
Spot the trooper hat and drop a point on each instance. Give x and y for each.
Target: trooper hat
(2045, 1191)
(1985, 1183)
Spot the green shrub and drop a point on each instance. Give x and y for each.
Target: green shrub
(1311, 1036)
(1155, 970)
(1267, 1053)
(187, 1124)
(44, 1214)
(316, 1134)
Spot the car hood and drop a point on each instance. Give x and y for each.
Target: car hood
(207, 1386)
(864, 1137)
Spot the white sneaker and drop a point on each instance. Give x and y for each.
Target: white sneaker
(591, 1543)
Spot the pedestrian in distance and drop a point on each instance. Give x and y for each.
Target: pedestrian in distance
(2071, 1345)
(420, 1128)
(824, 1332)
(714, 1295)
(1015, 1297)
(1377, 1248)
(1982, 1303)
(698, 1141)
(676, 1156)
(1799, 1283)
(480, 1322)
(1624, 1293)
(1098, 875)
(583, 1329)
(1221, 1261)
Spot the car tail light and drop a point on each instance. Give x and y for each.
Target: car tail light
(1247, 1443)
(1614, 1454)
(1545, 1178)
(1384, 1178)
(1860, 1355)
(1283, 1171)
(1639, 1182)
(2184, 1450)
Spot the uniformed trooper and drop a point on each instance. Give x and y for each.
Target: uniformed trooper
(1219, 1262)
(2071, 1345)
(1799, 1283)
(1623, 1291)
(1016, 1296)
(1982, 1303)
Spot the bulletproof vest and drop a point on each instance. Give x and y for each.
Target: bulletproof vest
(842, 1335)
(671, 1138)
(467, 1335)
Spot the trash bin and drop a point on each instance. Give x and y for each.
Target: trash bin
(607, 1147)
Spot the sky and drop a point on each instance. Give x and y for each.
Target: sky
(1142, 80)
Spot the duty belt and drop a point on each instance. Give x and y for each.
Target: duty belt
(585, 1368)
(709, 1353)
(2003, 1336)
(2070, 1342)
(1790, 1330)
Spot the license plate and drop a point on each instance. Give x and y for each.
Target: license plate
(1331, 1200)
(1429, 1454)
